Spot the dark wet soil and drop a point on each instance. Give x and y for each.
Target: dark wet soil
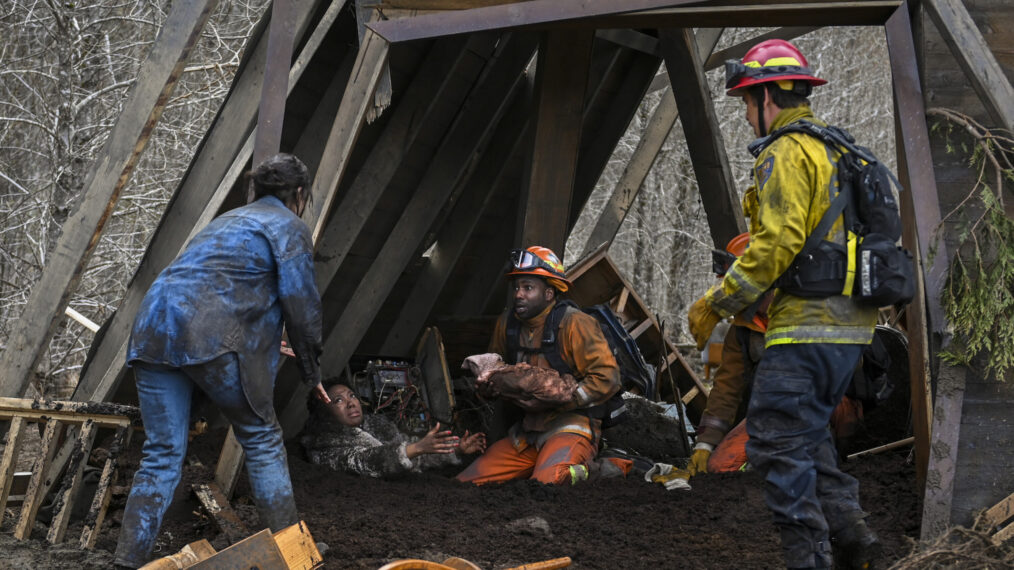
(612, 523)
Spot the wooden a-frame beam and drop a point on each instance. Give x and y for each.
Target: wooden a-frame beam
(417, 112)
(650, 144)
(193, 206)
(561, 81)
(455, 235)
(638, 14)
(703, 135)
(275, 88)
(480, 112)
(976, 60)
(606, 119)
(109, 174)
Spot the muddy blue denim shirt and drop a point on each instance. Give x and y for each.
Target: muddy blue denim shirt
(230, 290)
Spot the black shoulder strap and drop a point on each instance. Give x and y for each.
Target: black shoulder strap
(550, 331)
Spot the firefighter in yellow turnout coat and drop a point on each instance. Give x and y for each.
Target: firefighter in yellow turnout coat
(812, 343)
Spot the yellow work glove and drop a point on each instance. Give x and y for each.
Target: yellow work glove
(702, 321)
(699, 460)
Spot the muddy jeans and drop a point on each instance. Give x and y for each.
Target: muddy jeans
(795, 389)
(165, 395)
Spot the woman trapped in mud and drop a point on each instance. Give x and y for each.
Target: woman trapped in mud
(213, 320)
(342, 437)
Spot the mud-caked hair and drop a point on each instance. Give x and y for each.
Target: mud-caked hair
(280, 176)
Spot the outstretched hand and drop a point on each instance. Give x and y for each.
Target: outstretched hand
(435, 441)
(472, 443)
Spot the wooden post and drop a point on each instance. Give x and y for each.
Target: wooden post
(704, 138)
(110, 173)
(976, 60)
(923, 208)
(36, 487)
(67, 493)
(562, 76)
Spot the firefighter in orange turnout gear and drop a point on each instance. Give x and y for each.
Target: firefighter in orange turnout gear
(555, 446)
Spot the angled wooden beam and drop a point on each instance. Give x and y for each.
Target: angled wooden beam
(416, 113)
(455, 235)
(456, 156)
(632, 39)
(109, 174)
(637, 14)
(224, 141)
(275, 89)
(704, 137)
(606, 118)
(629, 185)
(561, 81)
(358, 98)
(976, 60)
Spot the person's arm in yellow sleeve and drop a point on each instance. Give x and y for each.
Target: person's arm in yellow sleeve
(784, 200)
(587, 351)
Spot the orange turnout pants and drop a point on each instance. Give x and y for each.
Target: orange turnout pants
(550, 465)
(730, 454)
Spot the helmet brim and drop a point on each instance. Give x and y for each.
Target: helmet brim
(747, 82)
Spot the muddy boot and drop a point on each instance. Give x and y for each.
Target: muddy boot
(856, 547)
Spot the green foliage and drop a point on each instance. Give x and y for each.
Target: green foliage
(979, 294)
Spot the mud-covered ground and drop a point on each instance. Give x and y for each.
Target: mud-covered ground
(610, 523)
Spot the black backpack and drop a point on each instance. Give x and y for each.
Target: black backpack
(881, 272)
(634, 370)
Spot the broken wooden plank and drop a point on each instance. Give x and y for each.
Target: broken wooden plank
(102, 414)
(103, 492)
(158, 76)
(298, 547)
(35, 493)
(639, 329)
(230, 463)
(15, 432)
(973, 55)
(258, 551)
(223, 142)
(67, 493)
(703, 135)
(561, 81)
(999, 513)
(220, 511)
(187, 556)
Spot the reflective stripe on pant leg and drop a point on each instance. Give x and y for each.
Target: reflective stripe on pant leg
(558, 454)
(266, 461)
(164, 397)
(501, 462)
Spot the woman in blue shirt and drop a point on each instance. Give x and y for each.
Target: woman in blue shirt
(213, 320)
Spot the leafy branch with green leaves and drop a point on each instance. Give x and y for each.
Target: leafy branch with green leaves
(979, 293)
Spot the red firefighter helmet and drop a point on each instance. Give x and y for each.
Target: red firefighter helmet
(770, 61)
